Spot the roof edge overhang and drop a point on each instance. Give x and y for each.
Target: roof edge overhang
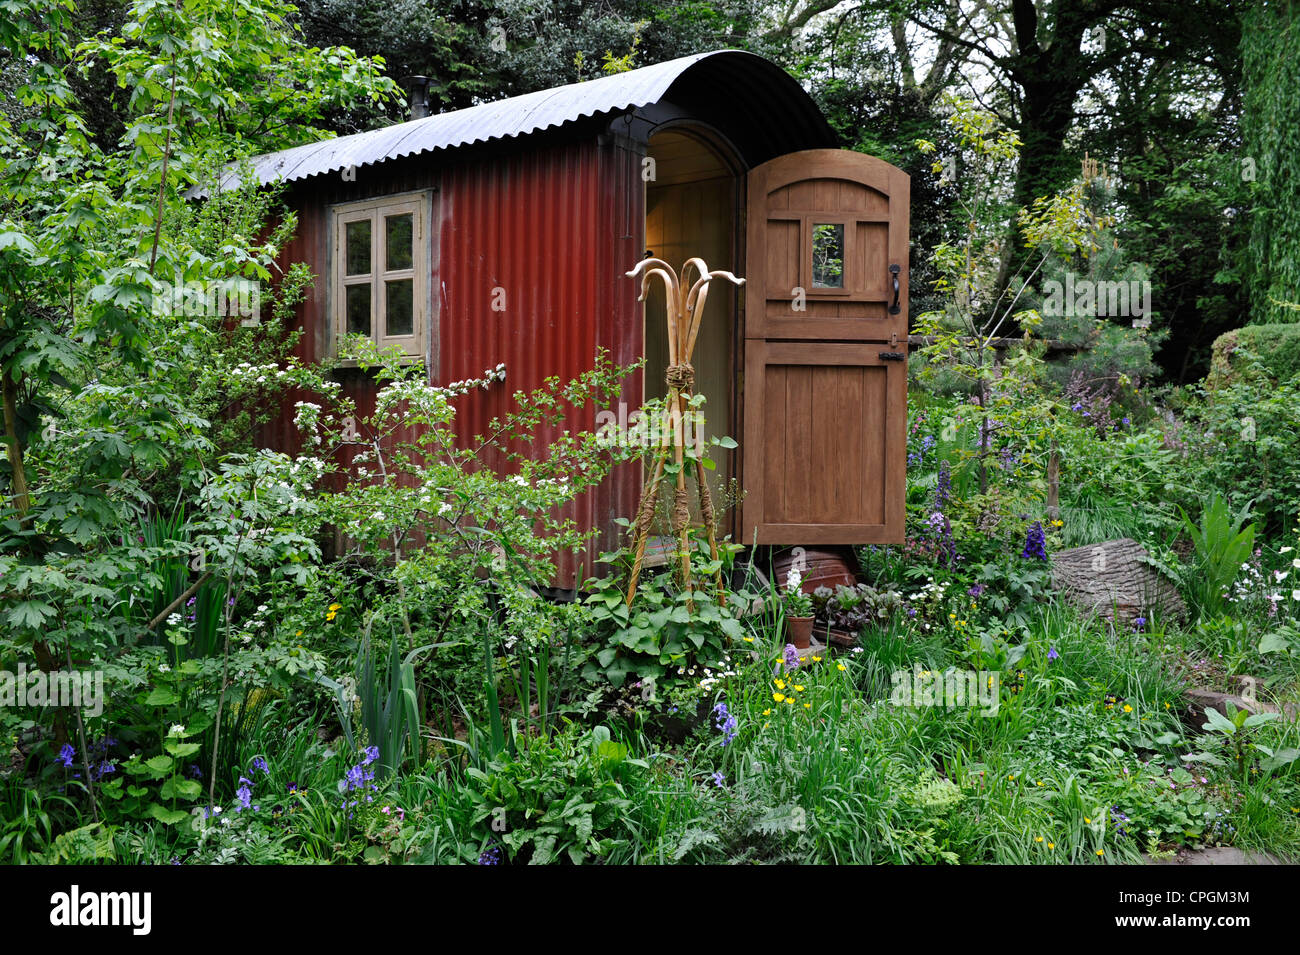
(750, 99)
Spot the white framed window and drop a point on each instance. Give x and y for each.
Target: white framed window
(381, 268)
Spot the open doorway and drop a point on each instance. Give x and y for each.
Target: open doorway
(691, 206)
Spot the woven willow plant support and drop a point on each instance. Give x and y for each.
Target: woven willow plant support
(684, 306)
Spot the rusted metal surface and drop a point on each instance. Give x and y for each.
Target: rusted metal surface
(729, 88)
(504, 225)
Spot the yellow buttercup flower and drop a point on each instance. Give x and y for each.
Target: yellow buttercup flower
(817, 659)
(1038, 838)
(1051, 845)
(798, 688)
(334, 607)
(1127, 708)
(790, 700)
(768, 711)
(749, 639)
(1101, 852)
(780, 684)
(841, 667)
(779, 697)
(807, 706)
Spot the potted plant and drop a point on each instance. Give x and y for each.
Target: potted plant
(798, 611)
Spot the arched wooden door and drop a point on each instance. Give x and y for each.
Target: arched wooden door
(825, 378)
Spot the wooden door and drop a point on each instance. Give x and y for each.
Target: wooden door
(825, 378)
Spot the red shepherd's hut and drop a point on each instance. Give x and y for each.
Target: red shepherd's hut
(502, 234)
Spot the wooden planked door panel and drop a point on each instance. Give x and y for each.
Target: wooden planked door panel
(824, 459)
(790, 197)
(831, 421)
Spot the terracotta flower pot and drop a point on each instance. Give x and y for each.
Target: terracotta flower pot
(798, 631)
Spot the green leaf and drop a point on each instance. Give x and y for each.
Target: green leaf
(30, 614)
(1217, 721)
(1260, 718)
(161, 696)
(160, 764)
(1274, 642)
(168, 817)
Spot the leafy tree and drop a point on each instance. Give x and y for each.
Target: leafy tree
(1271, 130)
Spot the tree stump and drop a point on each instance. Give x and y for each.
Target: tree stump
(1114, 580)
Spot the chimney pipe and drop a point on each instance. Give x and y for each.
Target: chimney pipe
(419, 96)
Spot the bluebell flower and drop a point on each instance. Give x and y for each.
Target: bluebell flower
(490, 856)
(244, 793)
(66, 754)
(725, 723)
(260, 764)
(719, 780)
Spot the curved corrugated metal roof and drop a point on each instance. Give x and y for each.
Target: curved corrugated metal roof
(725, 76)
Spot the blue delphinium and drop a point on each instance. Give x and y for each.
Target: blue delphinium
(1035, 543)
(943, 488)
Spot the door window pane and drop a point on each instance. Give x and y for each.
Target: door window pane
(399, 296)
(358, 241)
(828, 255)
(358, 308)
(399, 242)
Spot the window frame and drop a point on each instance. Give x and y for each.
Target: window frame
(416, 346)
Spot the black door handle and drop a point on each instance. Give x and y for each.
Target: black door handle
(893, 271)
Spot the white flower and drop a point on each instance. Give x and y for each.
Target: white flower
(793, 579)
(174, 620)
(176, 730)
(1295, 595)
(164, 668)
(1286, 550)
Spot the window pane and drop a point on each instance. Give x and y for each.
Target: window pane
(828, 255)
(399, 242)
(358, 239)
(358, 304)
(400, 297)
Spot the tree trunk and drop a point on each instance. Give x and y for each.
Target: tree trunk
(13, 448)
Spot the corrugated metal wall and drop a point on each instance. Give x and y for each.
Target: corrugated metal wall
(554, 227)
